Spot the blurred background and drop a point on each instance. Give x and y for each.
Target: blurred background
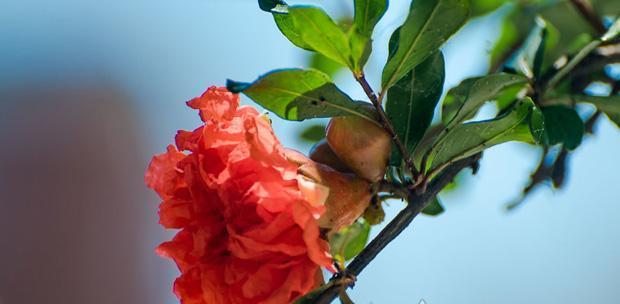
(90, 90)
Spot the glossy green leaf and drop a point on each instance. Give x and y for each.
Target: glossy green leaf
(563, 126)
(296, 94)
(464, 101)
(313, 133)
(429, 24)
(290, 30)
(608, 105)
(412, 100)
(321, 33)
(455, 99)
(537, 126)
(434, 208)
(273, 6)
(367, 14)
(350, 241)
(470, 138)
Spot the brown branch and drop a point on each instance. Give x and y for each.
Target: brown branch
(387, 125)
(393, 188)
(417, 202)
(587, 12)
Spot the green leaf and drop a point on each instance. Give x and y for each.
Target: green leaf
(608, 105)
(290, 31)
(367, 14)
(321, 33)
(563, 125)
(468, 139)
(434, 208)
(350, 241)
(537, 126)
(313, 133)
(482, 7)
(455, 99)
(464, 101)
(273, 6)
(296, 94)
(412, 100)
(361, 47)
(429, 24)
(324, 64)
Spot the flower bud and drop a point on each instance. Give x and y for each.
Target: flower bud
(361, 145)
(322, 153)
(347, 195)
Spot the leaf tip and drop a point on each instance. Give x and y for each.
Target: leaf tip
(236, 86)
(273, 6)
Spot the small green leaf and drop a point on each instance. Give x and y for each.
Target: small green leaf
(296, 94)
(563, 125)
(429, 24)
(350, 241)
(273, 6)
(468, 139)
(313, 133)
(321, 33)
(537, 126)
(367, 14)
(608, 105)
(464, 101)
(412, 100)
(434, 208)
(361, 47)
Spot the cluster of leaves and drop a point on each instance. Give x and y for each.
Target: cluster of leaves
(547, 58)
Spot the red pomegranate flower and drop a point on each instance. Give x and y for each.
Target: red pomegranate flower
(247, 219)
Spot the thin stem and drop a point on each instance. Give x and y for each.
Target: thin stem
(572, 64)
(417, 202)
(387, 125)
